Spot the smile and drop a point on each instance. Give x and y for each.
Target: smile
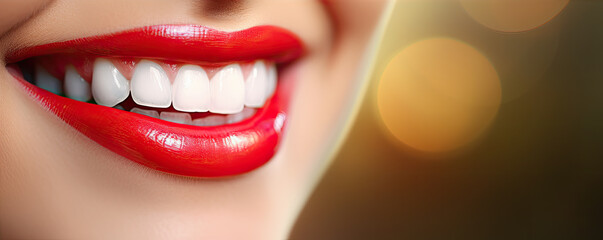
(183, 99)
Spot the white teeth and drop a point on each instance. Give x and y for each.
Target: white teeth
(235, 118)
(183, 118)
(109, 86)
(256, 85)
(151, 86)
(210, 121)
(238, 117)
(46, 81)
(190, 92)
(272, 77)
(149, 113)
(75, 86)
(227, 90)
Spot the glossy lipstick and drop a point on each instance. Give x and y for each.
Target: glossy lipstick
(215, 151)
(185, 43)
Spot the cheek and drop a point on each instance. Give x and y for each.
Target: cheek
(308, 19)
(326, 93)
(15, 12)
(24, 185)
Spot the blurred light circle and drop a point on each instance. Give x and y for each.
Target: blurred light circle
(438, 95)
(513, 15)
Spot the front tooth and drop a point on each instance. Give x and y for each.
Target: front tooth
(151, 86)
(149, 113)
(183, 118)
(210, 121)
(256, 85)
(227, 90)
(109, 86)
(46, 81)
(272, 77)
(190, 92)
(75, 86)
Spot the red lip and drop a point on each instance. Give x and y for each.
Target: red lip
(179, 149)
(186, 43)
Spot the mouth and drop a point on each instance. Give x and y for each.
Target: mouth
(182, 99)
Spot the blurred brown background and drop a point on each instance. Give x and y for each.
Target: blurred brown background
(517, 157)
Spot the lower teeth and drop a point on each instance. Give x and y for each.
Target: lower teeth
(186, 118)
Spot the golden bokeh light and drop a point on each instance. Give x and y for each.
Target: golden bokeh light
(513, 15)
(438, 95)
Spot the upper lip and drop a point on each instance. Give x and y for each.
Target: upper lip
(184, 43)
(174, 148)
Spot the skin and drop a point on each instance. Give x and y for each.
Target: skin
(56, 183)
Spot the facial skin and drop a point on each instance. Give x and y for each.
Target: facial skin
(55, 183)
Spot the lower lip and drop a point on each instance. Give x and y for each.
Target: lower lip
(216, 151)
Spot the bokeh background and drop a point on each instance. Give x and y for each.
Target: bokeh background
(483, 120)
